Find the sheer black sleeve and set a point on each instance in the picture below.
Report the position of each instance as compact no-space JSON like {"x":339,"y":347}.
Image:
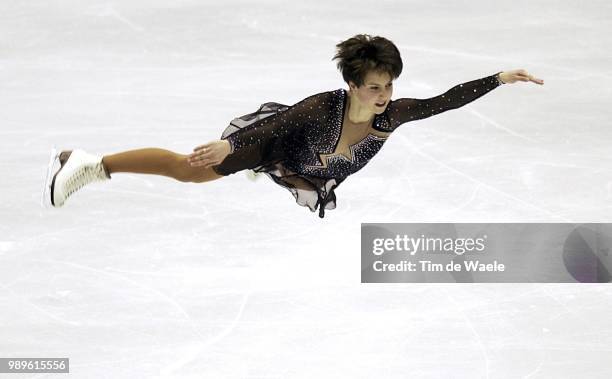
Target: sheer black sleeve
{"x":406,"y":109}
{"x":280,"y":124}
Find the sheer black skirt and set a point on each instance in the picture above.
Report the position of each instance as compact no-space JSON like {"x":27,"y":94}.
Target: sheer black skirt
{"x":269,"y":158}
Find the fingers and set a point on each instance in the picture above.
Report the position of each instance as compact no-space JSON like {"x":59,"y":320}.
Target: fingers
{"x":203,"y":163}
{"x":201,"y":154}
{"x":531,"y":78}
{"x":206,"y":155}
{"x":200,"y":158}
{"x":199,"y":161}
{"x":524,"y":76}
{"x":536,"y":80}
{"x":211,"y":164}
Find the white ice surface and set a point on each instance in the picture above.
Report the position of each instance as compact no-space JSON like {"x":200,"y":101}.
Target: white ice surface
{"x":146,"y":277}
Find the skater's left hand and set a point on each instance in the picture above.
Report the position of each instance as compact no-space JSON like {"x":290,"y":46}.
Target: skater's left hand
{"x":519,"y":75}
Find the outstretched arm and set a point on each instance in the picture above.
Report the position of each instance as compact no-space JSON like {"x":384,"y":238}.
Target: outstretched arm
{"x":407,"y":109}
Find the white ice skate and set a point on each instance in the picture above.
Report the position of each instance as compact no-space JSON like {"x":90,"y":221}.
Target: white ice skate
{"x":77,"y":168}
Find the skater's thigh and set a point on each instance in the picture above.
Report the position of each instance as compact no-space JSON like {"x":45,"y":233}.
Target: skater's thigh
{"x":205,"y":175}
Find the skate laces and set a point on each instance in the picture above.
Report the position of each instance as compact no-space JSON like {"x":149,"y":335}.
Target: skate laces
{"x":84,"y":175}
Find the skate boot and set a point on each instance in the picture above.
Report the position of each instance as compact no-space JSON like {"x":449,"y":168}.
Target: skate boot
{"x":77,"y":168}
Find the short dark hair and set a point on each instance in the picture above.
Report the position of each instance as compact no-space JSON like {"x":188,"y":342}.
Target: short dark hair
{"x":363,"y":53}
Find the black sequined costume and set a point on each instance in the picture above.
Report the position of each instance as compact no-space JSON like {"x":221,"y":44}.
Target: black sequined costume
{"x":295,"y":145}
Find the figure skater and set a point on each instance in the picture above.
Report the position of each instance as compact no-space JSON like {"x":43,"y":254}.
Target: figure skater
{"x":308,"y":148}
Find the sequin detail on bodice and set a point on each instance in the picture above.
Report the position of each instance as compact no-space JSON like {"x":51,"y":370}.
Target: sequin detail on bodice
{"x":317,"y":152}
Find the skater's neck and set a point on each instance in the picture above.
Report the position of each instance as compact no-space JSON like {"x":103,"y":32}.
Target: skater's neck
{"x":356,"y":113}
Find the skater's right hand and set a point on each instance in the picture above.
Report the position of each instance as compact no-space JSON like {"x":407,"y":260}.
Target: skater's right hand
{"x":209,"y":154}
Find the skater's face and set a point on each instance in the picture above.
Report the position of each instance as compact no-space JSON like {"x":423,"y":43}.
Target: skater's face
{"x":376,"y":91}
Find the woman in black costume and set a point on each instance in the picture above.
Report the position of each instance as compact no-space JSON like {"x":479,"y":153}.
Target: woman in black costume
{"x":308,"y":148}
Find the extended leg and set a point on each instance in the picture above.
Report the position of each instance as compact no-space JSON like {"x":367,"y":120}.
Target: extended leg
{"x":158,"y":162}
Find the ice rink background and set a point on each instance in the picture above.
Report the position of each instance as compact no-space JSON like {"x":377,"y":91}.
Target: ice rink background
{"x":143,"y":276}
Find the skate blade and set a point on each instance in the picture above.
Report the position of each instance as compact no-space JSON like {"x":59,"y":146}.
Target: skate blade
{"x":53,"y":166}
